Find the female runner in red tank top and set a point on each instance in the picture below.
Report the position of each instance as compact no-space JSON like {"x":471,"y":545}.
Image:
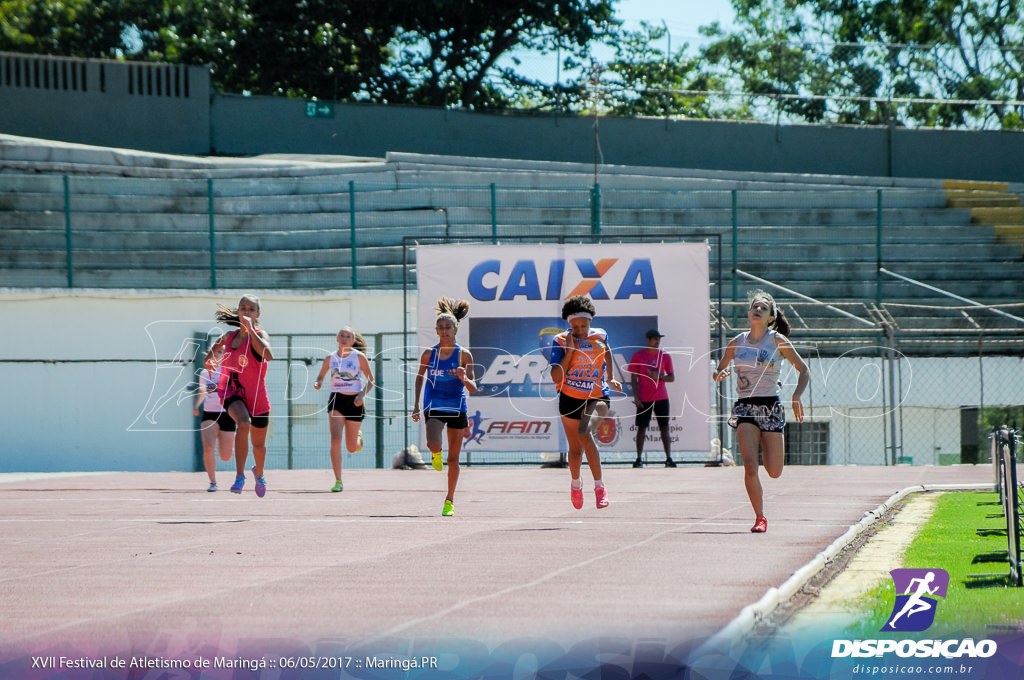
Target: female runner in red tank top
{"x":243,"y":390}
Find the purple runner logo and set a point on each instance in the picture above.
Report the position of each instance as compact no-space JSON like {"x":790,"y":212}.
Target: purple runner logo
{"x":916,"y":590}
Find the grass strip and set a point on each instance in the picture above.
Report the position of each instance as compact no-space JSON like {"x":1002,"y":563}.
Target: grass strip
{"x":980,"y":600}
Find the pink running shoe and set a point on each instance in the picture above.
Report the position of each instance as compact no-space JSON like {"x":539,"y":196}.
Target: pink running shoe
{"x":577,"y":498}
{"x":602,"y":496}
{"x":760,"y":526}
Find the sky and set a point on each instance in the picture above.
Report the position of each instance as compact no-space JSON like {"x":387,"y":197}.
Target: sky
{"x":681,"y":17}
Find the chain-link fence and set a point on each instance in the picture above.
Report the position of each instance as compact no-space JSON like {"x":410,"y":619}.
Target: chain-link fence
{"x":878,"y":401}
{"x":975,"y":85}
{"x":889,"y":387}
{"x":299,"y":436}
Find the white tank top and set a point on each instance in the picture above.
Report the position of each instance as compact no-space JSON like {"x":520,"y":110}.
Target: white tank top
{"x":208,"y":384}
{"x":346,"y":372}
{"x":757,"y":366}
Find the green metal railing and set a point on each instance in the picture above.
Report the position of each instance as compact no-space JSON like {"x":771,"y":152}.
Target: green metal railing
{"x":326,"y":233}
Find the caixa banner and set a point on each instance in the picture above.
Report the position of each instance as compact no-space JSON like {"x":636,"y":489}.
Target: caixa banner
{"x":516,"y":294}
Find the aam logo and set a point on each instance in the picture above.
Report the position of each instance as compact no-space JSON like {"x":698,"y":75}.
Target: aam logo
{"x":916,"y":593}
{"x":486,"y":281}
{"x":502,"y":429}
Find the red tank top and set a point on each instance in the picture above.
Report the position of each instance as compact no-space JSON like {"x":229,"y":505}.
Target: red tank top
{"x":242,"y":374}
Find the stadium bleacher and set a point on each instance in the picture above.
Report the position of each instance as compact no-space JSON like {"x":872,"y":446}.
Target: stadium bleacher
{"x":141,"y":220}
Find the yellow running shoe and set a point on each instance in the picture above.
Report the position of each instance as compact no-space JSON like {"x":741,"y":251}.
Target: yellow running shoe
{"x":436,"y":461}
{"x":359,"y":446}
{"x":449,"y":509}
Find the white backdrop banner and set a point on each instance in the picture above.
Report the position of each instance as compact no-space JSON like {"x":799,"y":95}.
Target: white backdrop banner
{"x":516,"y":295}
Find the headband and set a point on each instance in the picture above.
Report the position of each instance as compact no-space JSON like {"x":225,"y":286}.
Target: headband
{"x":579,"y":315}
{"x":446,"y":315}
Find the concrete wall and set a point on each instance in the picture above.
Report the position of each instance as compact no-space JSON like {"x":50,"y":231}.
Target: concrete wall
{"x":85,"y":374}
{"x":155,"y":107}
{"x":246,"y":125}
{"x":123,"y":105}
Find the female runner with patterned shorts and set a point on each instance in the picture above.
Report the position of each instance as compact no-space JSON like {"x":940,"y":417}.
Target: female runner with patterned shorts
{"x":758,"y":415}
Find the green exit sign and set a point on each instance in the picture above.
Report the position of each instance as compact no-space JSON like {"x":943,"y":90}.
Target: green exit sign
{"x":315,"y":109}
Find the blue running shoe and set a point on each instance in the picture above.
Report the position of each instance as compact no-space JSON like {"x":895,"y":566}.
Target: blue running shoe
{"x":239,"y":483}
{"x":261,"y":483}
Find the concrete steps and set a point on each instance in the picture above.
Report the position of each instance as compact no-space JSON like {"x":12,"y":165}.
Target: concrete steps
{"x":116,"y":241}
{"x":16,"y":244}
{"x":991,"y":203}
{"x":1009,"y":233}
{"x":913,"y":316}
{"x":607,"y":173}
{"x":327,"y":277}
{"x":981,"y":199}
{"x":184,"y":259}
{"x":145,"y":221}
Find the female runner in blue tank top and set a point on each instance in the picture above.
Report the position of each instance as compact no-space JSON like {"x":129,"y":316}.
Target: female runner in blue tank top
{"x":758,"y":415}
{"x":447,"y":370}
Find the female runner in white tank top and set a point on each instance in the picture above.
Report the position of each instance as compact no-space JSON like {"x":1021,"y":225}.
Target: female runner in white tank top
{"x":758,"y":415}
{"x":217,"y":429}
{"x":351,"y":379}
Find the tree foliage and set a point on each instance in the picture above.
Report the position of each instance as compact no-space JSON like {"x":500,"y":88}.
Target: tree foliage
{"x":954,"y":63}
{"x":643,"y":80}
{"x":67,"y":28}
{"x":446,"y":49}
{"x":432,"y":52}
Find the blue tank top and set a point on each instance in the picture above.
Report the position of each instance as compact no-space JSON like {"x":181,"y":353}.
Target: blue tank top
{"x":444,"y":391}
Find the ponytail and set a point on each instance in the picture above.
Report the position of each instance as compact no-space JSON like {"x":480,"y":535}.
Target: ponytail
{"x":456,"y":309}
{"x":358,"y":341}
{"x":781,"y":323}
{"x":227,"y":316}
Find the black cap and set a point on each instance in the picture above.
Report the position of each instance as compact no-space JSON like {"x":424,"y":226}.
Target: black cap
{"x":653,"y":333}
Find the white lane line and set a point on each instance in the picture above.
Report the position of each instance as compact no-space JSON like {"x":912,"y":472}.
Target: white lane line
{"x":505,"y":592}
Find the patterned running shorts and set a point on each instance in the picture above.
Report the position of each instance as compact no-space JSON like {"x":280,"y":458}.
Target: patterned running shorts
{"x":765,"y":412}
